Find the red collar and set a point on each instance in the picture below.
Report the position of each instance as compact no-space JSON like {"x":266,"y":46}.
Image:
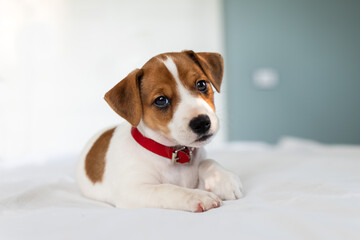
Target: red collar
{"x":177,"y":155}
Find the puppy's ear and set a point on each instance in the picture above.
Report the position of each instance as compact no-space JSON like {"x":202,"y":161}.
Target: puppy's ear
{"x":212,"y":65}
{"x":124,"y":98}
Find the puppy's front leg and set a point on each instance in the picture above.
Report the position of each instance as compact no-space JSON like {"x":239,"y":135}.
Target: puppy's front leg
{"x":216,"y":179}
{"x":171,"y":197}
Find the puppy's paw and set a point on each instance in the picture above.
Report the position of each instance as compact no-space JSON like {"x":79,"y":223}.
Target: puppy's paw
{"x":200,"y":201}
{"x":224,"y":184}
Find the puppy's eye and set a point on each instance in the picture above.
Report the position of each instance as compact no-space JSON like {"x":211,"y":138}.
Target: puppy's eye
{"x":201,"y":86}
{"x":161,"y":102}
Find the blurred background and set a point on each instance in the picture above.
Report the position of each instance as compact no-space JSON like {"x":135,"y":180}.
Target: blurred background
{"x":292,"y":67}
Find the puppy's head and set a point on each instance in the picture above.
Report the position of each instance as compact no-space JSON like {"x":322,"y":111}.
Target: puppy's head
{"x":172,"y":96}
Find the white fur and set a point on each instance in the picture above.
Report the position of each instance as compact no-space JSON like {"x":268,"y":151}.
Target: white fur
{"x":135,"y":177}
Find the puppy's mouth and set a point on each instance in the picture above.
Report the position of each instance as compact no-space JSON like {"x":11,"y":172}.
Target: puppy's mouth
{"x":204,"y":138}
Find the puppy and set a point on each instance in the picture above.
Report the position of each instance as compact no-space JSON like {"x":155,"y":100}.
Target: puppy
{"x":156,"y":159}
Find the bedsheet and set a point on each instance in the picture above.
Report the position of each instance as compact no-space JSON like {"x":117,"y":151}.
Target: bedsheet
{"x":297,"y":189}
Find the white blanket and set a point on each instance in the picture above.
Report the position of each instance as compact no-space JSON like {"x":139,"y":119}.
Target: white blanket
{"x":296,"y":190}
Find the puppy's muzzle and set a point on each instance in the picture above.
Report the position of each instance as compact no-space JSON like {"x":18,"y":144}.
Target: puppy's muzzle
{"x":200,"y":124}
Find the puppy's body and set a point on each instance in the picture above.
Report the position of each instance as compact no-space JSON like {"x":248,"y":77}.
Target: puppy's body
{"x":116,"y":169}
{"x":125,"y":172}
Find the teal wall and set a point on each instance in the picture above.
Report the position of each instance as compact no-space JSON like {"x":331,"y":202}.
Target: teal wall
{"x":315,"y":47}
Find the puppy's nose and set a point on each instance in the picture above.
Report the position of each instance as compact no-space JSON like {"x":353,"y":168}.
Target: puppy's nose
{"x":200,"y":124}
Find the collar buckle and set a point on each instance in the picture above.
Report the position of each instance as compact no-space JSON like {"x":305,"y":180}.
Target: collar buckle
{"x":175,"y":157}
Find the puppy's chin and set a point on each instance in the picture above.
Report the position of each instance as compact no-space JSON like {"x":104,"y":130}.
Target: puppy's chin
{"x":202,"y":141}
{"x":196,"y":140}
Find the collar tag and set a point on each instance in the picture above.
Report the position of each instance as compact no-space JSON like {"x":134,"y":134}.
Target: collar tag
{"x":185,"y":150}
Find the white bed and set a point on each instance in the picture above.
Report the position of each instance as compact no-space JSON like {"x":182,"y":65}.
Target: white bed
{"x":295,"y":190}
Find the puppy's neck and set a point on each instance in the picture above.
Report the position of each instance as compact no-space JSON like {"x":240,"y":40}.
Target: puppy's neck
{"x":155,"y":135}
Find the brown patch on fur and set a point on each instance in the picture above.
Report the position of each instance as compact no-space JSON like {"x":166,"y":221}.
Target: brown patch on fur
{"x":158,"y":81}
{"x":190,"y":73}
{"x":209,"y":100}
{"x":95,"y":158}
{"x":212,"y":64}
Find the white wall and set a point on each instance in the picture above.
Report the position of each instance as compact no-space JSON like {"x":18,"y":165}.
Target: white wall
{"x":59,"y":57}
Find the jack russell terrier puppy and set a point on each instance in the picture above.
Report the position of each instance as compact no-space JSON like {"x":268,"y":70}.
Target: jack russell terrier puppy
{"x":156,"y":159}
